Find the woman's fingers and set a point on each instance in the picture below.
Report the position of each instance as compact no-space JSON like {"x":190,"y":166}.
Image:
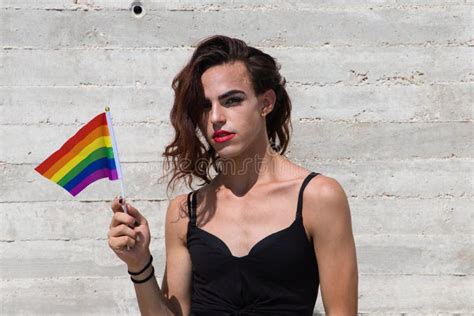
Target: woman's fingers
{"x":122,"y":218}
{"x":119,"y":243}
{"x":122,"y":226}
{"x":116,"y":206}
{"x":122,"y":230}
{"x":136,"y":214}
{"x":122,"y":236}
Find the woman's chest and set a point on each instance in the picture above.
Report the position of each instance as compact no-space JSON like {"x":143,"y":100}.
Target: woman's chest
{"x":241,"y":223}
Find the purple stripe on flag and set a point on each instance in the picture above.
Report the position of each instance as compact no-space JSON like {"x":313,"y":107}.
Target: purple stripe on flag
{"x":96,"y":175}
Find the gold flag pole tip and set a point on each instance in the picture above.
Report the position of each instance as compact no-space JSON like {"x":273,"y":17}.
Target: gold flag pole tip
{"x":107,"y":109}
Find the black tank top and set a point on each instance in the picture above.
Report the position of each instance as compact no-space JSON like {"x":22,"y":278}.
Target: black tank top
{"x":279,"y":276}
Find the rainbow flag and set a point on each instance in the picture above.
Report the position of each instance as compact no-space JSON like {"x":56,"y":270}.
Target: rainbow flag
{"x":86,"y":157}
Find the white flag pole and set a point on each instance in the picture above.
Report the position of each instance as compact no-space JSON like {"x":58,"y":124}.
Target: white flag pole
{"x":116,"y":157}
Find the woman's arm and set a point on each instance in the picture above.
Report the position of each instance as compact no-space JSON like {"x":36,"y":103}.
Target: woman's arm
{"x":174,"y":297}
{"x":151,"y":300}
{"x":331,"y":229}
{"x":176,"y":284}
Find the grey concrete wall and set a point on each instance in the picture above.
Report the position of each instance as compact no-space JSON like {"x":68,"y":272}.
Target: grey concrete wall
{"x":383,"y":89}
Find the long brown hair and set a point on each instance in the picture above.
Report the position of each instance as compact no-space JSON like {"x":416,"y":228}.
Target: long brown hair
{"x":189,"y":153}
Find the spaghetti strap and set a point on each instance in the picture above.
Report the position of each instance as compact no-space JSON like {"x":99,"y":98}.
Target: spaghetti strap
{"x":192,"y":208}
{"x":299,"y":208}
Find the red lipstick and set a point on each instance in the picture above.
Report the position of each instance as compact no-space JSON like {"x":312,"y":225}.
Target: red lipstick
{"x":221,"y":136}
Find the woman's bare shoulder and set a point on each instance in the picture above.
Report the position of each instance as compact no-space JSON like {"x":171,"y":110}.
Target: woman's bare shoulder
{"x":325,"y":188}
{"x":177,"y":216}
{"x":326,"y":203}
{"x":177,"y":213}
{"x":178,"y":204}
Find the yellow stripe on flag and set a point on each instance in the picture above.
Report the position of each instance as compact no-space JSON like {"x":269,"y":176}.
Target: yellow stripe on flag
{"x":99,"y":142}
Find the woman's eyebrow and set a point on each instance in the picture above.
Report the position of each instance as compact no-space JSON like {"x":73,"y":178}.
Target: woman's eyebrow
{"x":228,"y":94}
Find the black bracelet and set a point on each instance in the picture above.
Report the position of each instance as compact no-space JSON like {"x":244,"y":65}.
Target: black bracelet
{"x":146,"y":279}
{"x":141,"y":271}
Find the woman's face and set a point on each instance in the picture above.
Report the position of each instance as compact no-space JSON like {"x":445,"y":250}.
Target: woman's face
{"x":231,"y":105}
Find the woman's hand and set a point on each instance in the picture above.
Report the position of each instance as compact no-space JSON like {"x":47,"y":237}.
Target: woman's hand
{"x":129,"y":229}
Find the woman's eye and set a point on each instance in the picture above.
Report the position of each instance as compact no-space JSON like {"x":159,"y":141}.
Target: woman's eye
{"x":233,"y":100}
{"x":208,"y":105}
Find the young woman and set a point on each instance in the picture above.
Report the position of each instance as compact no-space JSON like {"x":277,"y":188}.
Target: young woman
{"x":248,"y":241}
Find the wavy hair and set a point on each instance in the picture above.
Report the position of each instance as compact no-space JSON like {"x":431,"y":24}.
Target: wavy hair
{"x":189,"y":154}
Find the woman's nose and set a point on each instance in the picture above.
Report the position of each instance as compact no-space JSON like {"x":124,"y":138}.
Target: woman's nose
{"x":217,"y":114}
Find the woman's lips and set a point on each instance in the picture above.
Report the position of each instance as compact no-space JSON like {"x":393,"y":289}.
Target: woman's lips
{"x":223,"y":138}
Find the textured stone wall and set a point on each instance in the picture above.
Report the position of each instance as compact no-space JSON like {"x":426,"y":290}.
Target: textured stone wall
{"x":382,"y":94}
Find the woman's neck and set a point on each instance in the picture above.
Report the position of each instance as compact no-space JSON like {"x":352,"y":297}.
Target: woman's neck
{"x":241,"y":174}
